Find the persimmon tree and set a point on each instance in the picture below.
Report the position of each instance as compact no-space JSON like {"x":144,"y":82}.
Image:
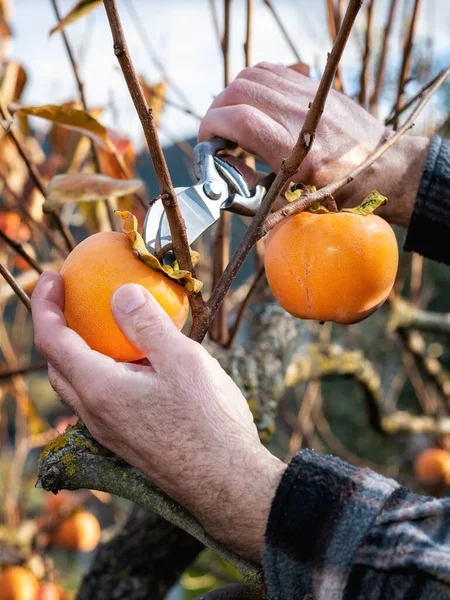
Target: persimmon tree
{"x":97,"y":175}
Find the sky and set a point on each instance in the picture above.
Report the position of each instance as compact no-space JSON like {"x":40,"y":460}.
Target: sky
{"x":183,"y":37}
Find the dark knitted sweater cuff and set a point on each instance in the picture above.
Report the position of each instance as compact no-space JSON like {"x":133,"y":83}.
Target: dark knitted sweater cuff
{"x":429,"y":229}
{"x":321,"y":512}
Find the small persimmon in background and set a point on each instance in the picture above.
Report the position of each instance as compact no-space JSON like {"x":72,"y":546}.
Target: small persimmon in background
{"x":80,"y":531}
{"x":432,"y":466}
{"x":18,"y":583}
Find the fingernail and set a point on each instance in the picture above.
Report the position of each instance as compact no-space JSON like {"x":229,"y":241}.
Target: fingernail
{"x":129,"y":297}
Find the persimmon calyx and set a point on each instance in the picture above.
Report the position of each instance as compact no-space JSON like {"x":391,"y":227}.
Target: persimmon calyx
{"x":295,"y":190}
{"x":130,"y":228}
{"x":369,"y":205}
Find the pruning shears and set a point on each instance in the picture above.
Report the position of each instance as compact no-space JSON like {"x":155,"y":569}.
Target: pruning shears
{"x":220,"y":187}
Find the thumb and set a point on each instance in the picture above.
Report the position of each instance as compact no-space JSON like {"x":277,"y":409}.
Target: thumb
{"x":144,"y":323}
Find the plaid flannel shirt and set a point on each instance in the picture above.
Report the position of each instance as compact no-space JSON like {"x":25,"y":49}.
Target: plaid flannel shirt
{"x":338,"y":532}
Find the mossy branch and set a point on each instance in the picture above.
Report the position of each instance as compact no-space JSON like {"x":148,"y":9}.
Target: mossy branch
{"x":74,"y":460}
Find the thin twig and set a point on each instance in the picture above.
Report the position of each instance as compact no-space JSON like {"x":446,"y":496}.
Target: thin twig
{"x":283,"y":29}
{"x":219,"y":327}
{"x":17,"y":247}
{"x":363,"y":80}
{"x":243,"y":307}
{"x":80,"y":84}
{"x":21,"y":293}
{"x":288,"y":169}
{"x":248,"y":36}
{"x":406,"y":60}
{"x":147,"y":43}
{"x":35,"y":175}
{"x":8,"y":374}
{"x":393,"y":116}
{"x":308,"y":199}
{"x":374,"y":100}
{"x":333,"y":27}
{"x":174,"y":216}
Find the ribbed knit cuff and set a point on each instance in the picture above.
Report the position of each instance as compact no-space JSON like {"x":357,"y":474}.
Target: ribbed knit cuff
{"x":429,"y":230}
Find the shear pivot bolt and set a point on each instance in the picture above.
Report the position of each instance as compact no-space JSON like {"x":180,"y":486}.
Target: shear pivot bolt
{"x":212,"y":189}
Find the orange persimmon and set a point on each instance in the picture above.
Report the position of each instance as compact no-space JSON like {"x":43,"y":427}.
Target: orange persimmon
{"x":92,"y":272}
{"x":332,"y":266}
{"x":433,"y":466}
{"x":18,"y":583}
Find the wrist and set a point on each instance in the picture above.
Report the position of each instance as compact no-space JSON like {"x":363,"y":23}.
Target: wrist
{"x":397,"y":175}
{"x":240,"y":501}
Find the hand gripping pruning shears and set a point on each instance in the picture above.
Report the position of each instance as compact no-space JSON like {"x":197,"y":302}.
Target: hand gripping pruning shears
{"x":220,"y":187}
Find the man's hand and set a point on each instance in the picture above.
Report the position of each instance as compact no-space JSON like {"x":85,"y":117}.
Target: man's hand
{"x":263,"y":110}
{"x":177,"y":417}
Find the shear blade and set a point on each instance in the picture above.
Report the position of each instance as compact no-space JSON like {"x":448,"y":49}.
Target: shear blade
{"x":199,"y":214}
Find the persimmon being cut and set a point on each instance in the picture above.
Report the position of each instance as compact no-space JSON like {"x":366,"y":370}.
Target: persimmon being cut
{"x":92,"y":272}
{"x":331,"y":266}
{"x":17,"y":583}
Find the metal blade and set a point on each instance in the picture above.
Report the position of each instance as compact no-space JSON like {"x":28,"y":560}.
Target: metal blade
{"x":199,"y":213}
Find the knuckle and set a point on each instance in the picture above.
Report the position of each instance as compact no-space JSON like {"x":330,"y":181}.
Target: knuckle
{"x":264,"y":64}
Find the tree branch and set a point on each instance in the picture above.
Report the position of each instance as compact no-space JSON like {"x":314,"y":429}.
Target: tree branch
{"x":174,"y":216}
{"x":406,"y":316}
{"x":306,"y":200}
{"x":248,"y":35}
{"x":288,"y":169}
{"x":406,"y":60}
{"x":74,"y":460}
{"x":34,"y":173}
{"x":21,"y":293}
{"x":363,"y":80}
{"x":283,"y":29}
{"x":382,"y":60}
{"x":17,"y":247}
{"x":95,"y":155}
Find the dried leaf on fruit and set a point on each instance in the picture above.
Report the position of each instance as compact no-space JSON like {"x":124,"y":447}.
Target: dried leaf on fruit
{"x":130,"y":228}
{"x":370,"y":204}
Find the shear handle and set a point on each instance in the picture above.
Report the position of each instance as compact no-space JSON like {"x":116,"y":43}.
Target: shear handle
{"x":204,"y":153}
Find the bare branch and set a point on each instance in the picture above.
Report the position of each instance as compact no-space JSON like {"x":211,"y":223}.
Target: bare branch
{"x":21,"y":293}
{"x":288,"y":169}
{"x":248,"y":37}
{"x":174,"y":216}
{"x":283,"y":29}
{"x":17,"y":247}
{"x":333,"y":27}
{"x":244,"y":306}
{"x":406,"y":60}
{"x":406,"y":316}
{"x":382,"y":60}
{"x":35,"y":175}
{"x":31,"y":368}
{"x":364,"y":77}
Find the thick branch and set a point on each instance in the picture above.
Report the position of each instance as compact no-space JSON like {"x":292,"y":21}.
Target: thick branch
{"x":288,"y":168}
{"x":74,"y":460}
{"x":306,"y":200}
{"x":144,"y":560}
{"x":406,"y":316}
{"x":248,"y":35}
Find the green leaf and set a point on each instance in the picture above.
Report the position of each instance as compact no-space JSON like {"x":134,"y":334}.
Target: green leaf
{"x":130,"y":228}
{"x":83,"y":7}
{"x":370,"y":204}
{"x":86,"y":187}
